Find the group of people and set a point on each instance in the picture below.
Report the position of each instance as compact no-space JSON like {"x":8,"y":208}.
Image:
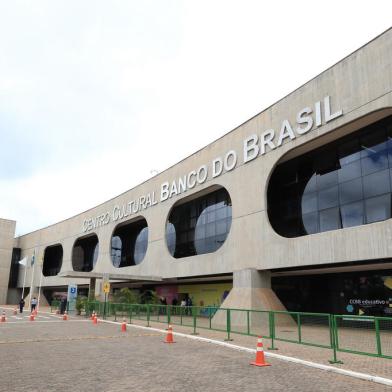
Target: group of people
{"x":34,"y":303}
{"x":184,"y":302}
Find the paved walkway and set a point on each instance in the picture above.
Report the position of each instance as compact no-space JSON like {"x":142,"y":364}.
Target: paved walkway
{"x":360,"y":363}
{"x":56,"y":355}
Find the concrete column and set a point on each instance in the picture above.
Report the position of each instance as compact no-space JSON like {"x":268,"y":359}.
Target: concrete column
{"x":252,"y":290}
{"x":91,"y":289}
{"x":7,"y":231}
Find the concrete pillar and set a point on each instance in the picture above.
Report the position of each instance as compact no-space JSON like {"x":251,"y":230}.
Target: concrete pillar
{"x":251,"y":291}
{"x":91,"y":289}
{"x":7,"y":231}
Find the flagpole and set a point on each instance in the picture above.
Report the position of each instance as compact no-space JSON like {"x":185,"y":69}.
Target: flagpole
{"x":24,"y":280}
{"x":40,"y":283}
{"x":32,"y":278}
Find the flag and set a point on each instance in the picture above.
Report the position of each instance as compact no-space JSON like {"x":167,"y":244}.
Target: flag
{"x":32,"y":260}
{"x":23,"y":261}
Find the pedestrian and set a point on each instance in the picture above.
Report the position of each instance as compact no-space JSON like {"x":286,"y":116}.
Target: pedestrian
{"x":174,"y":305}
{"x":188,"y":306}
{"x":21,"y":305}
{"x":34,"y":302}
{"x":63,"y":305}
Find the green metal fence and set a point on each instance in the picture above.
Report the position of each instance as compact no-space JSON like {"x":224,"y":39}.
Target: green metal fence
{"x":363,"y":335}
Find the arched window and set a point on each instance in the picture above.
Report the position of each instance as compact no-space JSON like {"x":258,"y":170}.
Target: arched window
{"x":129,"y":243}
{"x":85,"y":253}
{"x":200,"y":225}
{"x":342,"y":184}
{"x":53,"y":259}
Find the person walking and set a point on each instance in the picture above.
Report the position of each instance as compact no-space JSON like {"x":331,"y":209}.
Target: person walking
{"x":63,"y":305}
{"x":34,"y":302}
{"x":21,"y":305}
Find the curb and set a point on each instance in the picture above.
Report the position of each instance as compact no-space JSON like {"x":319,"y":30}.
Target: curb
{"x":332,"y":369}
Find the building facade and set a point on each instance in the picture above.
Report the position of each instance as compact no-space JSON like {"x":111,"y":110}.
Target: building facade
{"x":290,"y":210}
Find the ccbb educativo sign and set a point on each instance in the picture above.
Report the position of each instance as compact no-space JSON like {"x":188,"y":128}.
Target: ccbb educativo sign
{"x":254,"y":146}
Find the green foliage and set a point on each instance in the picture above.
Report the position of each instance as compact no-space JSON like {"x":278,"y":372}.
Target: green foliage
{"x":149,"y":297}
{"x":80,"y":303}
{"x":126,"y":296}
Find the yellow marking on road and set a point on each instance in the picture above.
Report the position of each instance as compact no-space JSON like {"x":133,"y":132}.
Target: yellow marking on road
{"x":68,"y":339}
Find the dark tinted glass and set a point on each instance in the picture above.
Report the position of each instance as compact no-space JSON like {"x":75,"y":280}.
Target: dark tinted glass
{"x":352,"y":214}
{"x":378,"y":208}
{"x":129,"y":243}
{"x":53,"y":259}
{"x":376,"y":184}
{"x":202,"y":225}
{"x":351,"y":191}
{"x":85,"y":253}
{"x":343,"y":184}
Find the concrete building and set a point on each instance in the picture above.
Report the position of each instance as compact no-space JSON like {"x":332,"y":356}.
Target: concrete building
{"x":292,"y":209}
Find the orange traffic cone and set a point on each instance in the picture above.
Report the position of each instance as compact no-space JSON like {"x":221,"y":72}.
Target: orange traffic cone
{"x":15,"y":311}
{"x":260,"y":361}
{"x":93,"y":315}
{"x":35,"y":312}
{"x":31,"y":317}
{"x":169,"y":336}
{"x":65,"y":316}
{"x":95,"y":320}
{"x":123,"y":326}
{"x":3,"y":317}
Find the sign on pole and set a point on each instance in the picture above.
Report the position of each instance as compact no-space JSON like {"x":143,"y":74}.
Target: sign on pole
{"x":106,"y":287}
{"x":71,"y":296}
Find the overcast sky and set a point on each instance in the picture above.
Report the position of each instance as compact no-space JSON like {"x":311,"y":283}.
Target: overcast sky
{"x":94,"y":95}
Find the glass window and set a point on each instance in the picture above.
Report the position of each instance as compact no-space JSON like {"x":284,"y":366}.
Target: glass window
{"x":328,"y":197}
{"x":378,"y":208}
{"x":352,"y":214}
{"x":206,"y":232}
{"x":129,"y":243}
{"x":375,"y":162}
{"x":350,"y":171}
{"x":311,"y":185}
{"x":53,"y":259}
{"x":85,"y":253}
{"x":352,"y":178}
{"x":116,"y":251}
{"x":349,"y":152}
{"x":376,"y":184}
{"x":373,"y":141}
{"x":327,"y":180}
{"x":311,"y":223}
{"x":141,"y":243}
{"x":351,"y":191}
{"x":309,"y":202}
{"x":330,"y":219}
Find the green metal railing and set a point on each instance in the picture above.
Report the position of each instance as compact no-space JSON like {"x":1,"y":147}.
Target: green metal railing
{"x":362,"y":335}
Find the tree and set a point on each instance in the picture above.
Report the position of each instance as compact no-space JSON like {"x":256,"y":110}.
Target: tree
{"x":126,"y":295}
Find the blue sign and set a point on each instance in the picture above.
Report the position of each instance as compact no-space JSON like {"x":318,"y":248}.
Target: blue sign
{"x":72,"y":295}
{"x":350,"y":308}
